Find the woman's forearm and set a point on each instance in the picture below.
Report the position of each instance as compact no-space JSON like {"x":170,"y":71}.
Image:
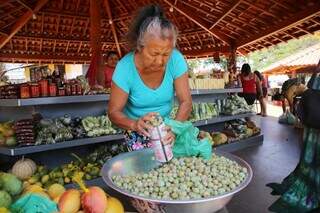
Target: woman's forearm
{"x":122,"y":121}
{"x":184,"y":111}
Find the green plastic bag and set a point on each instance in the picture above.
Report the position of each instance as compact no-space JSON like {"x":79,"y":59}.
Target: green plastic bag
{"x":32,"y":203}
{"x":187,"y":143}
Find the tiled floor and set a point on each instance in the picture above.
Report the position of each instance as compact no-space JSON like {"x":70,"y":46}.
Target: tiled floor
{"x":271,"y":162}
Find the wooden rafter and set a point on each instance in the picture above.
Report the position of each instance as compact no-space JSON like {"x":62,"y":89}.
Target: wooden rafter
{"x":24,"y":4}
{"x":226,"y":13}
{"x":42,"y":57}
{"x":225,"y":50}
{"x":77,"y":5}
{"x":21,"y":22}
{"x":79,"y":48}
{"x":187,"y":13}
{"x":71,"y":28}
{"x":58,"y":24}
{"x":113,"y":27}
{"x":42,"y":23}
{"x":301,"y":29}
{"x":298,"y":18}
{"x":41,"y":43}
{"x":262,"y":10}
{"x":67,"y":48}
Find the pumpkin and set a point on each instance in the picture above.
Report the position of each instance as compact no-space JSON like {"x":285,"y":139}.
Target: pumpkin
{"x":24,"y":168}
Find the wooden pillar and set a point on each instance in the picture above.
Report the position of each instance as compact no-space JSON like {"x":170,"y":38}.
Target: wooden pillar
{"x":232,"y":61}
{"x":95,"y":41}
{"x":232,"y":66}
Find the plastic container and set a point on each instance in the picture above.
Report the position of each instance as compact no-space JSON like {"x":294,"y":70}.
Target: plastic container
{"x":163,"y":153}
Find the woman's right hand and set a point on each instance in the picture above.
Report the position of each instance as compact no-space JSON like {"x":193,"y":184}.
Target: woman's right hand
{"x":141,"y":126}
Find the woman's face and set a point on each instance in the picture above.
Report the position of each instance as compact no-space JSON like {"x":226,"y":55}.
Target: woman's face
{"x":155,"y":54}
{"x":112,"y":60}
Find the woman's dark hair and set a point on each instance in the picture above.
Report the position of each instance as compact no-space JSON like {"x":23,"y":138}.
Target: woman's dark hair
{"x":245,"y":69}
{"x":258,"y":74}
{"x":111,"y":53}
{"x":150,"y":20}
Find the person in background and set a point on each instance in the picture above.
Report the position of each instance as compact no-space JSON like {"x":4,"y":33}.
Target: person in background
{"x":111,"y":62}
{"x":250,"y":83}
{"x":289,"y":90}
{"x":263,"y":97}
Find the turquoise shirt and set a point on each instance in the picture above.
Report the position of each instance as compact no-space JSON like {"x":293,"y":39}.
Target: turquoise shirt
{"x":143,"y":99}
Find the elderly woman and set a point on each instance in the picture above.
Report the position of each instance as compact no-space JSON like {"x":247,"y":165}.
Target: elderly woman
{"x":146,"y":79}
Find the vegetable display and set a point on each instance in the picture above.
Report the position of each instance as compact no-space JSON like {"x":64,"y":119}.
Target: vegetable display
{"x":235,"y":105}
{"x":200,"y":111}
{"x":185,"y":179}
{"x":97,"y":126}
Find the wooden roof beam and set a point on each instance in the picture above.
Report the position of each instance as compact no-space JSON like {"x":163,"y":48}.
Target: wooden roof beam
{"x":260,"y":8}
{"x":21,"y":22}
{"x":113,"y":27}
{"x":59,"y":39}
{"x":299,"y":17}
{"x":24,"y":4}
{"x":40,"y":57}
{"x":189,"y":14}
{"x":225,"y":50}
{"x":226,"y":13}
{"x":303,"y":30}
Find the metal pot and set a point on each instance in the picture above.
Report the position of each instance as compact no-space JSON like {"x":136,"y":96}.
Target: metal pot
{"x":144,"y":161}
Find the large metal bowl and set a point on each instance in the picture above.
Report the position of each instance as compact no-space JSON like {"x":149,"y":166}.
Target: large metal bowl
{"x":144,"y":161}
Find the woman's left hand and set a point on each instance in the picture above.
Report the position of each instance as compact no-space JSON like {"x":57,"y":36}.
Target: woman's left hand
{"x":170,"y":136}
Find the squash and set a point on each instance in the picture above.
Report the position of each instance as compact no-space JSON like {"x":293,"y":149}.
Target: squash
{"x":24,"y":168}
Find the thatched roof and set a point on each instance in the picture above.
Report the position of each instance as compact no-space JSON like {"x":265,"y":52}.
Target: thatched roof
{"x":59,"y":30}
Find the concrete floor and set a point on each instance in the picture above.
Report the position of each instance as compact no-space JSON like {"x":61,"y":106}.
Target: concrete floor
{"x":271,"y":162}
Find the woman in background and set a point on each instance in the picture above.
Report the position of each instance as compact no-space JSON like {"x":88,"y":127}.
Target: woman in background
{"x":264,"y":94}
{"x":111,"y":62}
{"x":250,"y":84}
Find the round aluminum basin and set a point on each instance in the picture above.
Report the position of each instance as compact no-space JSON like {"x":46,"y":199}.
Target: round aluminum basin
{"x":144,"y":161}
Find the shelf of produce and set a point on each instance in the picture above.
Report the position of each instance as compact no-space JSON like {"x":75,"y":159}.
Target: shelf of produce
{"x":241,"y":144}
{"x":53,"y":100}
{"x":215,"y":91}
{"x":222,"y":118}
{"x":92,"y":98}
{"x":62,"y":145}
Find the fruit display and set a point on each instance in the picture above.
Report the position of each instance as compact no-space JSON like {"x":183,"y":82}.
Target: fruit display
{"x":234,"y":105}
{"x":10,"y":187}
{"x":240,"y":129}
{"x":88,"y":199}
{"x":97,"y":126}
{"x":25,"y":132}
{"x":200,"y":111}
{"x":185,"y":178}
{"x":24,"y":168}
{"x":7,"y":134}
{"x":64,"y":173}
